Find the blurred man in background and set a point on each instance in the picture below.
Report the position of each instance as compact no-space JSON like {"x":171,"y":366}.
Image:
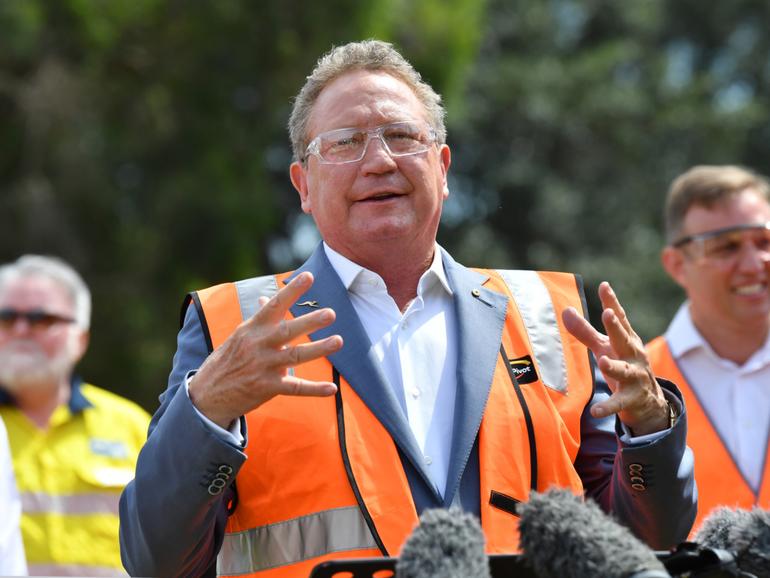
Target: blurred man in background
{"x":717,"y":347}
{"x":73,"y":445}
{"x":12,"y":561}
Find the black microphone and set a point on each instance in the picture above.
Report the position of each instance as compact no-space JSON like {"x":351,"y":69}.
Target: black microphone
{"x":446,"y":544}
{"x":744,"y":533}
{"x":564,"y":537}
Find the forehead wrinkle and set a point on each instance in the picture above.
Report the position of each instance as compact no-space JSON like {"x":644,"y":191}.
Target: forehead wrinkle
{"x":364,"y":99}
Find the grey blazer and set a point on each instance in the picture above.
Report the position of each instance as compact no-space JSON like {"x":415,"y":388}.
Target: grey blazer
{"x":170,"y":525}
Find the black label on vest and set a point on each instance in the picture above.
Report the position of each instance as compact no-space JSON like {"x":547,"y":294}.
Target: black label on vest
{"x":524,"y":369}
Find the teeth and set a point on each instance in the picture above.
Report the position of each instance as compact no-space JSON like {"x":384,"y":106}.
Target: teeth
{"x":750,"y":289}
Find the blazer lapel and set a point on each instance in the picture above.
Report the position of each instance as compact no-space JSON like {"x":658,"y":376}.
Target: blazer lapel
{"x":355,"y":361}
{"x":480,"y":320}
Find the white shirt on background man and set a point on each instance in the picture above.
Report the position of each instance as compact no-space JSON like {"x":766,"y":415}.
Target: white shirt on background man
{"x":735,"y":397}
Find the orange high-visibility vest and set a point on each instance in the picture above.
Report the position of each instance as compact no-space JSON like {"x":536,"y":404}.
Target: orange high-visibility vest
{"x":719,"y":480}
{"x":324,"y":479}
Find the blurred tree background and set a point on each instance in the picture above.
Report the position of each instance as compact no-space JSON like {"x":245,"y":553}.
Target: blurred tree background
{"x":144,"y":141}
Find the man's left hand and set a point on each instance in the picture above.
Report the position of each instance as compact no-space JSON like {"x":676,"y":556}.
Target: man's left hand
{"x":636,"y":397}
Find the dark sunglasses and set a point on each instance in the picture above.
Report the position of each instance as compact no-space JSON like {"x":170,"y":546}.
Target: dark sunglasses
{"x":36,"y":318}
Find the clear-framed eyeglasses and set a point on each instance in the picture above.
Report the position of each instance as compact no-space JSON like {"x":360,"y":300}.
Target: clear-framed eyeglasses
{"x":349,"y":145}
{"x":724,"y":246}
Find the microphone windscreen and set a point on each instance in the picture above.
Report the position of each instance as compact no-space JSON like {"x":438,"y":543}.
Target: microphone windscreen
{"x":446,"y":544}
{"x":751,"y":543}
{"x":714,"y":531}
{"x":564,"y":537}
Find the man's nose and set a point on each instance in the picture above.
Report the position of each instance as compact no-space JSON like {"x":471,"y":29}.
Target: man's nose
{"x":377,"y":157}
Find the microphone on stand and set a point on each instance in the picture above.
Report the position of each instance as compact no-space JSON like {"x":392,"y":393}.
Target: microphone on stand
{"x":564,"y":537}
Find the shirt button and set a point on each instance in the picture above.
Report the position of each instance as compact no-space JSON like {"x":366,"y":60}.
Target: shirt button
{"x":404,"y":325}
{"x":415,"y":393}
{"x":428,"y":460}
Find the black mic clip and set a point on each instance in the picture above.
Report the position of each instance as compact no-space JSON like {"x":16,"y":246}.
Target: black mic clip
{"x":691,"y":560}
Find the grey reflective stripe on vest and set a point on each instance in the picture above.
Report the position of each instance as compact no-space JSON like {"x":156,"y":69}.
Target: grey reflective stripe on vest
{"x":73,"y":570}
{"x":539,"y":317}
{"x":81,"y":504}
{"x":292,"y":541}
{"x":250,"y":290}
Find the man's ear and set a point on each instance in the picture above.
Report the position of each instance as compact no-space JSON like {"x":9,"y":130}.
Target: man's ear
{"x":298,"y":175}
{"x":445,"y":158}
{"x":83,"y":339}
{"x":673,"y":262}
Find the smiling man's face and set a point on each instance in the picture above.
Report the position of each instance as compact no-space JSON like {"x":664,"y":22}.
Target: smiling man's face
{"x":732,"y":291}
{"x":379,"y":200}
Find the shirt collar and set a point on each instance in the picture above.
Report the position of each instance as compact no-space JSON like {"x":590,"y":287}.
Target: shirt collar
{"x":683,"y":337}
{"x":77,"y":402}
{"x":348,"y":271}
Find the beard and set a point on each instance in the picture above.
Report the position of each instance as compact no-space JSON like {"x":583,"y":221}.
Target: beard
{"x":24,"y":366}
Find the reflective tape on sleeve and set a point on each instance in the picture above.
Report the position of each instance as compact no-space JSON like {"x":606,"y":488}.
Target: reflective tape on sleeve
{"x":82,"y":504}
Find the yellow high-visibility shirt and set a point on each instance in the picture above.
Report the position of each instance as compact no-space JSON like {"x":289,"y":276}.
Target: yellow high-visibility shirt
{"x":70,"y":477}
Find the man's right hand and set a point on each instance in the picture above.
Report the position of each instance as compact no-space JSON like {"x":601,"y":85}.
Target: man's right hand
{"x":252,"y":365}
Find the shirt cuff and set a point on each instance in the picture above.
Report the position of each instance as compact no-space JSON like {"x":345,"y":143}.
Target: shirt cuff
{"x":233,"y":435}
{"x":629,"y":439}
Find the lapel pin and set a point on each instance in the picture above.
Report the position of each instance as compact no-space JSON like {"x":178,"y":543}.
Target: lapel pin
{"x":308,"y":304}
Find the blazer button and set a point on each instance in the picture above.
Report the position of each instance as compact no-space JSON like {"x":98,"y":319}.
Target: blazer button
{"x":216,"y":486}
{"x":225,"y":469}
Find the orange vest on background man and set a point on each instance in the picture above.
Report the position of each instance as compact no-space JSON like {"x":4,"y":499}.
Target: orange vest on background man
{"x":324,"y":479}
{"x":719,"y":480}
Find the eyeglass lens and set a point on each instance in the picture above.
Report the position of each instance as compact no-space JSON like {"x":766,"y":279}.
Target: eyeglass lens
{"x":36,"y":318}
{"x":349,"y":145}
{"x":729,"y":245}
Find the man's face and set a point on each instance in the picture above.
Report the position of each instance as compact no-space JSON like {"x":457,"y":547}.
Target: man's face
{"x":725,"y":279}
{"x":38,"y":355}
{"x":361,"y":205}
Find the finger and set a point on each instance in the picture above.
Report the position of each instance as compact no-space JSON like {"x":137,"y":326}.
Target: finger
{"x":612,"y":406}
{"x":621,"y":341}
{"x":276,"y":307}
{"x":288,"y":329}
{"x":610,"y":300}
{"x":619,"y":371}
{"x":304,"y":352}
{"x":297,"y":386}
{"x":577,"y":325}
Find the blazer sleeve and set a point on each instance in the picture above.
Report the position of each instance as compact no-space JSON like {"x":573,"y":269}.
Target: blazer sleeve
{"x":649,"y":487}
{"x":171,"y":524}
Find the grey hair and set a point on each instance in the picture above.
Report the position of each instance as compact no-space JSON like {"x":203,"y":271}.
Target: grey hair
{"x":705,"y":186}
{"x":57,"y":271}
{"x":372,"y":55}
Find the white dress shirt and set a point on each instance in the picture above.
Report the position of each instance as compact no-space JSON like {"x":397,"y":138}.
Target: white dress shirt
{"x":12,"y":560}
{"x":735,"y":397}
{"x":417,"y":350}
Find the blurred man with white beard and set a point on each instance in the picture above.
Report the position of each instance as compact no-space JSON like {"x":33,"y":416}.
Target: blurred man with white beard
{"x":73,"y":445}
